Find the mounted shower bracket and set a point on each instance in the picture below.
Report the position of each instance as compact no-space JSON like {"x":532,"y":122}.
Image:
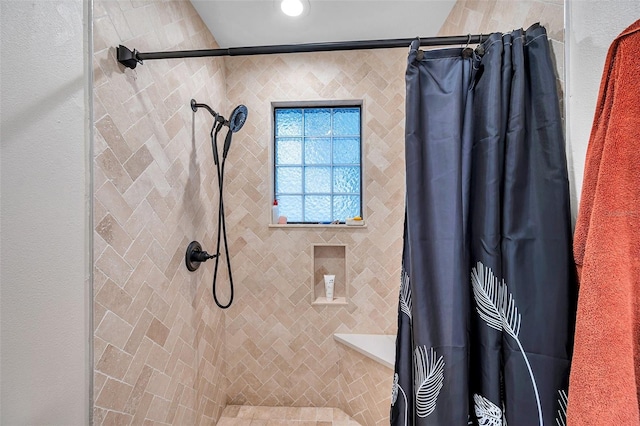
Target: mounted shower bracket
{"x":128,"y":58}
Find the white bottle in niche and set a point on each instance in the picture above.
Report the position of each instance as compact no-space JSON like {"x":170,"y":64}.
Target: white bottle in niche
{"x":328,"y":286}
{"x":274,"y":212}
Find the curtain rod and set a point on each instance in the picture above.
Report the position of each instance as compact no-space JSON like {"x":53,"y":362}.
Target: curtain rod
{"x":130,"y":58}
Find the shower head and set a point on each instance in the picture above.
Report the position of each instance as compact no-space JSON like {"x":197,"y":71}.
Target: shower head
{"x":238,"y":117}
{"x":235,"y":123}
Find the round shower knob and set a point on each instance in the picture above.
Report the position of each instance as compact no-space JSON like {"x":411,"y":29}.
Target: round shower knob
{"x":195,"y":256}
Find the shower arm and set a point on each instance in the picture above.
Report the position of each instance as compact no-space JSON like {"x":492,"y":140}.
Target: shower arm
{"x":131,"y":58}
{"x":195,"y":106}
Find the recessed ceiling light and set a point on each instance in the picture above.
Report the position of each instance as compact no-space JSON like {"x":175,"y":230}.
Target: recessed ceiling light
{"x":291,"y":7}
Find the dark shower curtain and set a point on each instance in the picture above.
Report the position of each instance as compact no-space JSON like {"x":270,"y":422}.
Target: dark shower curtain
{"x":487,"y":294}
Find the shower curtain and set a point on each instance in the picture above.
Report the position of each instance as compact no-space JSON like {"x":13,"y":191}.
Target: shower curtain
{"x":487,"y":293}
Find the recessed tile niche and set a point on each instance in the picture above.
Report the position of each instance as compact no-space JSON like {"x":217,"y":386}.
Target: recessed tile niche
{"x":330,"y":259}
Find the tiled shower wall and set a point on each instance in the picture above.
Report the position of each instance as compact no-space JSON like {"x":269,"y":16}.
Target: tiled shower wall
{"x":280,"y":348}
{"x":158,"y":343}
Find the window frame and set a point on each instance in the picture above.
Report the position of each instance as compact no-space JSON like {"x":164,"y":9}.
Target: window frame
{"x":327,"y":104}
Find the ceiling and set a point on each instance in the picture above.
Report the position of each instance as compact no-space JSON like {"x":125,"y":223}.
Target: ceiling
{"x":241,"y":23}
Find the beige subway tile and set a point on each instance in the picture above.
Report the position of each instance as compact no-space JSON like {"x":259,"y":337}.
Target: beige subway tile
{"x":119,"y":419}
{"x":112,"y":200}
{"x":138,"y":162}
{"x":158,"y":383}
{"x":139,"y":133}
{"x":157,"y":306}
{"x":114,"y":362}
{"x":114,"y":266}
{"x":112,"y":168}
{"x":157,"y":357}
{"x":111,"y":231}
{"x":114,"y":330}
{"x":142,"y":408}
{"x":158,"y":409}
{"x":173,"y":408}
{"x":137,"y":249}
{"x":112,"y":134}
{"x":157,"y":332}
{"x":139,"y":331}
{"x":114,"y":298}
{"x":114,"y":395}
{"x":138,"y":392}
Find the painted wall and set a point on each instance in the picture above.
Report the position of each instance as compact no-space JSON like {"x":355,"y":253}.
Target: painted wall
{"x":44,"y":213}
{"x":158,"y":342}
{"x":593,"y":25}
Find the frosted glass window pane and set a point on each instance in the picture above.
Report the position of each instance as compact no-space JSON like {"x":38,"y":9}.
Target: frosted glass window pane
{"x":317,"y":208}
{"x":288,"y":180}
{"x":346,"y":179}
{"x":290,"y":206}
{"x":317,"y":151}
{"x":346,"y":122}
{"x":346,"y":150}
{"x":317,"y":157}
{"x":317,"y":122}
{"x":288,"y":122}
{"x":345,"y":206}
{"x":288,"y":151}
{"x":317,"y":179}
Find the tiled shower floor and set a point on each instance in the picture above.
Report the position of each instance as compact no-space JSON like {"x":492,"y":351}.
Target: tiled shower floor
{"x":244,"y":415}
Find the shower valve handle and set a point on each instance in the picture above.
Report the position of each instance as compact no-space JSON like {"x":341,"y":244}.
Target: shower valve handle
{"x":201,"y":256}
{"x":195,"y":256}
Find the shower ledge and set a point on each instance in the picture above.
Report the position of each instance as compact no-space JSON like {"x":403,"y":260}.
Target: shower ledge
{"x":379,"y":347}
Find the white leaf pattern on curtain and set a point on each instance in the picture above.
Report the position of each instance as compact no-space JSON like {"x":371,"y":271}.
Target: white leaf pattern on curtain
{"x":561,"y":419}
{"x":487,"y":413}
{"x":394,"y":395}
{"x":394,"y":389}
{"x":429,"y":378}
{"x":405,"y":294}
{"x":496,"y":307}
{"x":504,"y":415}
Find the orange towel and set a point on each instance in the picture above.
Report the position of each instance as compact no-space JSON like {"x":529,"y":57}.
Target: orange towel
{"x":604,"y":384}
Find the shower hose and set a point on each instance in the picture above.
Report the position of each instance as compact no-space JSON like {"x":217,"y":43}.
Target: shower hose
{"x":222,"y":228}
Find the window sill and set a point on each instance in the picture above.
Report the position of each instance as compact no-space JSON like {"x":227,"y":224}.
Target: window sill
{"x":316,"y":225}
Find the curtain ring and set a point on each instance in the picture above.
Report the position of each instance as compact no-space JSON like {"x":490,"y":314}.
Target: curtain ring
{"x":480,"y":48}
{"x":419,"y":53}
{"x":467,"y":52}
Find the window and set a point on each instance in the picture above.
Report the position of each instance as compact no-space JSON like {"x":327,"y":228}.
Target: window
{"x":318,"y":173}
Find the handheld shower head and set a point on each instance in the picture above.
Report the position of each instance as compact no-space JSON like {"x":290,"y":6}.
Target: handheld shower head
{"x":238,"y":117}
{"x":235,"y":123}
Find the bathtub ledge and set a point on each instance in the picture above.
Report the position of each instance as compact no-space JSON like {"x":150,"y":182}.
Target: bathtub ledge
{"x":379,"y":347}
